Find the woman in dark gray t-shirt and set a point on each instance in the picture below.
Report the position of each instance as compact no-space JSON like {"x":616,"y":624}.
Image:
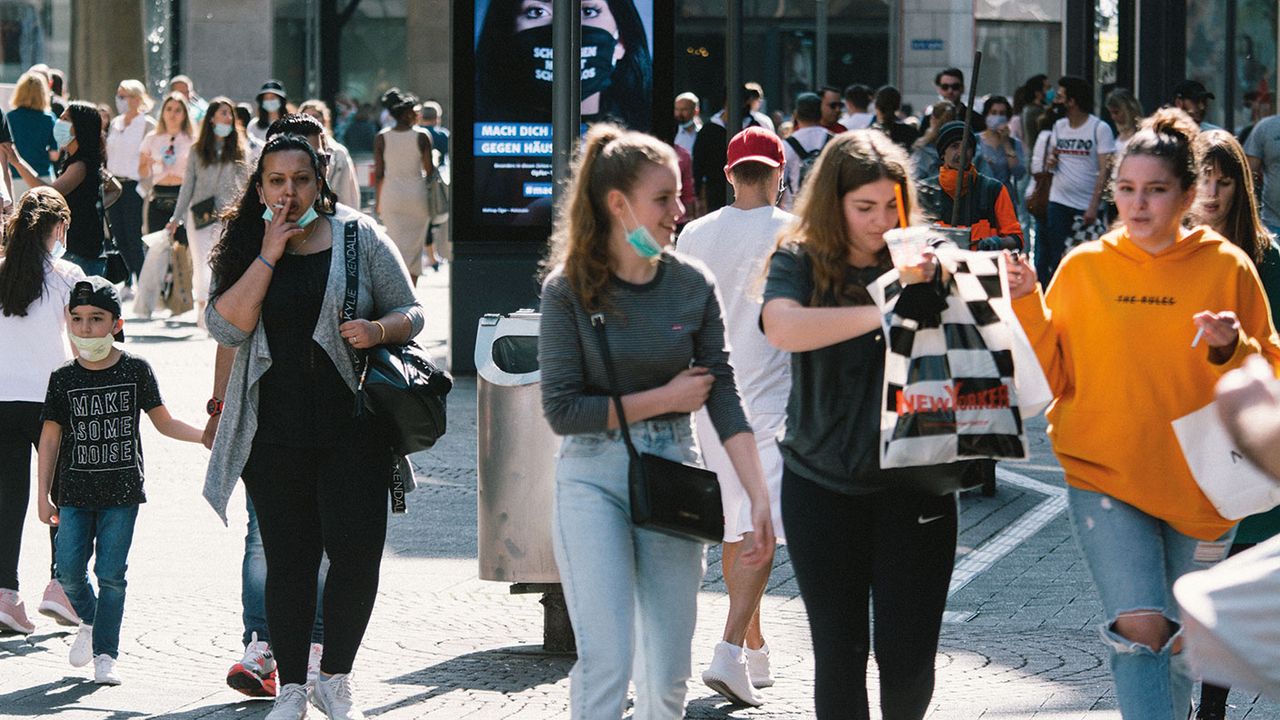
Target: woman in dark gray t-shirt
{"x":666,"y":338}
{"x":855,"y":531}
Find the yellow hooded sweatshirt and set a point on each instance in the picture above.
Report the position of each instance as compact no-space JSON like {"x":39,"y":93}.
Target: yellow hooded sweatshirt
{"x":1114,"y":338}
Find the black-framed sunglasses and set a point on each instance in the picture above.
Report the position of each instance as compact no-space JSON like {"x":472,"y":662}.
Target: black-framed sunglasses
{"x":951,"y":86}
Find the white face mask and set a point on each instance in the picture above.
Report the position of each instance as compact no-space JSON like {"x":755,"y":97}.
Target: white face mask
{"x":93,"y":349}
{"x":122,"y":105}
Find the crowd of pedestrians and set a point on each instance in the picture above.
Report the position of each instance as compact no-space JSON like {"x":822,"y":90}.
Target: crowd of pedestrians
{"x":261,"y":199}
{"x":707,"y":299}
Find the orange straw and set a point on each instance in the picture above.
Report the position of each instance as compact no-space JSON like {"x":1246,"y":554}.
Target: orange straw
{"x":902,"y":207}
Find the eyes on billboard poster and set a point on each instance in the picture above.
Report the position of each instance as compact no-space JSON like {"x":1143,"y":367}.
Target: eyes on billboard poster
{"x":513,"y":61}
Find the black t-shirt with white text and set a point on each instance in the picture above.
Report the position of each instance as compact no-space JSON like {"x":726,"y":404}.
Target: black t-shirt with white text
{"x":100,"y":460}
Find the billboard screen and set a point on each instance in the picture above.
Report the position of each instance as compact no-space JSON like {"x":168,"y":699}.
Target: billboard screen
{"x":511,"y":96}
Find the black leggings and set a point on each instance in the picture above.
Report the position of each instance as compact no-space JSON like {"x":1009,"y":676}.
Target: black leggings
{"x":895,"y":547}
{"x":19,"y":433}
{"x":311,"y":500}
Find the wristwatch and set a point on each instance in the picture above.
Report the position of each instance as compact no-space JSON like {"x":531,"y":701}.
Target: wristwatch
{"x":213,"y":407}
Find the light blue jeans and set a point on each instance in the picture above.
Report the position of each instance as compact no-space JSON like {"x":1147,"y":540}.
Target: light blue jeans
{"x":632,"y":593}
{"x":106,"y":533}
{"x":1134,"y":559}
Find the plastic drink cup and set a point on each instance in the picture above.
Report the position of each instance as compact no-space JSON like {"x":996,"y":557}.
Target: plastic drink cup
{"x":907,"y":247}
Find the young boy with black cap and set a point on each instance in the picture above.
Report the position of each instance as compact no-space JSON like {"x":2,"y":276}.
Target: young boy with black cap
{"x":91,"y":445}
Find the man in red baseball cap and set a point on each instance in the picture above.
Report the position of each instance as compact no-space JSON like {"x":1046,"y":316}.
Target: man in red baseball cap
{"x":735,"y":242}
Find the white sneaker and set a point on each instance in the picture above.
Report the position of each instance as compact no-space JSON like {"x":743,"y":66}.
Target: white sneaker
{"x":758,"y":667}
{"x":332,"y":696}
{"x":291,"y":703}
{"x":728,"y":676}
{"x":104,"y":670}
{"x":82,"y":649}
{"x":313,"y":662}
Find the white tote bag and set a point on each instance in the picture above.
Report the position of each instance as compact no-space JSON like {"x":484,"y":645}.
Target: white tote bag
{"x":1231,"y":620}
{"x":1236,"y":487}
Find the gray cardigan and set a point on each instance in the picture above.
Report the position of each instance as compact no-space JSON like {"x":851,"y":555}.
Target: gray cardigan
{"x":384,"y":287}
{"x":221,"y":180}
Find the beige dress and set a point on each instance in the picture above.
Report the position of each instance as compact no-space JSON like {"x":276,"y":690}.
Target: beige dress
{"x":403,"y":201}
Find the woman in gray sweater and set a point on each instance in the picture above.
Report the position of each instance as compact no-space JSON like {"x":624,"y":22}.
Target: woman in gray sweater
{"x":215,"y":174}
{"x":666,"y":337}
{"x":318,"y":475}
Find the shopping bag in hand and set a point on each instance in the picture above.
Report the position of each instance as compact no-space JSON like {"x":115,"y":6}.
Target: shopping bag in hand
{"x":961,"y":390}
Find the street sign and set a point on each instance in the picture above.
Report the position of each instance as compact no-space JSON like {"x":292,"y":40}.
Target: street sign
{"x":927,"y":43}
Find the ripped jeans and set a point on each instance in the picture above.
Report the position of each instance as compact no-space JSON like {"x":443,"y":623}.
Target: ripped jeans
{"x":1134,"y":559}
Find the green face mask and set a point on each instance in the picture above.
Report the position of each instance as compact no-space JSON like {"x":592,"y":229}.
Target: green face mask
{"x":640,"y":239}
{"x":92,"y":349}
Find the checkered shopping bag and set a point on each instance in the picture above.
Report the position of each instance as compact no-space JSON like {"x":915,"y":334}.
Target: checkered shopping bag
{"x":961,"y":390}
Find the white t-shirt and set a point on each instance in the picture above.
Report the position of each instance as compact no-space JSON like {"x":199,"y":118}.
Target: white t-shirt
{"x":857,"y":121}
{"x":124,"y":143}
{"x":810,"y":138}
{"x":735,"y":244}
{"x":34,"y":345}
{"x":1078,"y":150}
{"x":1264,"y":143}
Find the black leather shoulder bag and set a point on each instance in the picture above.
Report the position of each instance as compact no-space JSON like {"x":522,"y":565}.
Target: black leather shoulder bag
{"x":666,"y":496}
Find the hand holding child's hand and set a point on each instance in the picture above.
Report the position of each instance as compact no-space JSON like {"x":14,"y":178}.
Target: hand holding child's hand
{"x":48,"y":512}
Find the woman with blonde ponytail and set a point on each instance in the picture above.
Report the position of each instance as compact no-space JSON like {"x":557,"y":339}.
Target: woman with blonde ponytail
{"x":632,"y":592}
{"x":1133,"y":333}
{"x":34,"y":286}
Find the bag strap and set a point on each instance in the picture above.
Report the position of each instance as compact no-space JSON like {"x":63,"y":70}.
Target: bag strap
{"x":597,"y":321}
{"x":351,"y":262}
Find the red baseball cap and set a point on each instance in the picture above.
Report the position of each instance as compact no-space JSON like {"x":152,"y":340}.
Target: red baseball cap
{"x":755,"y":144}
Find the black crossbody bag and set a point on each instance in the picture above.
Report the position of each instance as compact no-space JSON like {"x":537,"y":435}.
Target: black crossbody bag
{"x":669,"y":497}
{"x":398,"y":383}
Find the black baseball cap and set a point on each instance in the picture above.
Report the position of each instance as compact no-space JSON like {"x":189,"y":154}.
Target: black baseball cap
{"x":97,"y":292}
{"x":1192,"y":90}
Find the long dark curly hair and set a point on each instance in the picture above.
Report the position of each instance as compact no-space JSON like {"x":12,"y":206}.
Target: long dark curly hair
{"x":242,"y":240}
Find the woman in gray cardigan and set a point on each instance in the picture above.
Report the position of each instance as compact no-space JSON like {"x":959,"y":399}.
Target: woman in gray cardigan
{"x":215,"y":175}
{"x":318,"y":475}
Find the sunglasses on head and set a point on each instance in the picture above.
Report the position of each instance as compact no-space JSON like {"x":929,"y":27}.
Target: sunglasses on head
{"x":951,"y":86}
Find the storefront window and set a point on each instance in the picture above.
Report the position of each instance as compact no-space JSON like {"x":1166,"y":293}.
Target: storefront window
{"x":1014,"y":51}
{"x":780,"y":47}
{"x":374,"y":47}
{"x":1256,"y":66}
{"x":33,"y":31}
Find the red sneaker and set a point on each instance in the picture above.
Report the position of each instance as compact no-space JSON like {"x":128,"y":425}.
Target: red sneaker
{"x":255,"y":674}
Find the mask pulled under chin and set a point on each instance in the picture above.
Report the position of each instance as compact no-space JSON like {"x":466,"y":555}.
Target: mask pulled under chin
{"x":307,"y":218}
{"x":640,"y":239}
{"x":598,"y":47}
{"x":92,"y":349}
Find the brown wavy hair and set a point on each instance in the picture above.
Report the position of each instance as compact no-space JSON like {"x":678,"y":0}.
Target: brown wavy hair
{"x":609,"y":158}
{"x":1218,"y":149}
{"x":849,"y":161}
{"x":212,"y":149}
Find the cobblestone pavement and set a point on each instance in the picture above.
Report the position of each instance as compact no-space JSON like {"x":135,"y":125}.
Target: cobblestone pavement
{"x":1020,"y":639}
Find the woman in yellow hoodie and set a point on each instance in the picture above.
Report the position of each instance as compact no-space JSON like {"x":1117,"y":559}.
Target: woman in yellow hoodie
{"x":1117,"y":335}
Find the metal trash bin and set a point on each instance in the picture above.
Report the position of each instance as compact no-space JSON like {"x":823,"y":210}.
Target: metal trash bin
{"x":516,"y":469}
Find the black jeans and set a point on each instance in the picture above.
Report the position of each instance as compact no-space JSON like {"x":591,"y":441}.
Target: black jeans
{"x":892,"y":547}
{"x":19,"y":433}
{"x":311,"y":500}
{"x":126,"y":225}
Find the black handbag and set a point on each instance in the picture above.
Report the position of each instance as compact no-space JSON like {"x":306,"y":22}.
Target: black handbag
{"x":204,"y":213}
{"x":116,"y":269}
{"x":397,"y":383}
{"x":669,"y":497}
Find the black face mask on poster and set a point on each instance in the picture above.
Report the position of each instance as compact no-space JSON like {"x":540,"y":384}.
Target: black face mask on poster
{"x":534,"y":46}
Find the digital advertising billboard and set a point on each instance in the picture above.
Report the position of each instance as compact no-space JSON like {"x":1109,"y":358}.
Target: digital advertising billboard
{"x":510,"y":98}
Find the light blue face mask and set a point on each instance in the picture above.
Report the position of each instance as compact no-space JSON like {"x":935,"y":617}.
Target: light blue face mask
{"x":271,"y":105}
{"x":307,"y":218}
{"x":1050,"y":95}
{"x":222,"y":129}
{"x":640,"y":239}
{"x":58,"y":250}
{"x":62,"y":133}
